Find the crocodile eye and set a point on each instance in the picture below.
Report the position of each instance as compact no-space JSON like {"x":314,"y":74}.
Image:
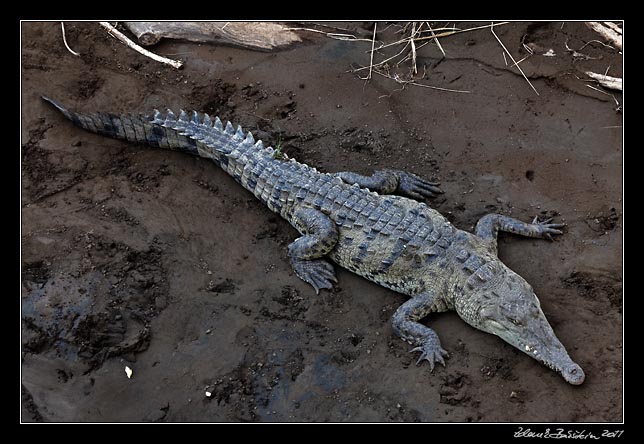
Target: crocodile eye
{"x":515,"y":322}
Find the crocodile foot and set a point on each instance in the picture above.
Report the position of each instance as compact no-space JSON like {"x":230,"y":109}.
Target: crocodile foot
{"x":317,"y":272}
{"x":546,"y":229}
{"x":416,"y":187}
{"x":431,"y":351}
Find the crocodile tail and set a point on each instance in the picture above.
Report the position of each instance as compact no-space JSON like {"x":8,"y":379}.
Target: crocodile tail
{"x":133,"y":128}
{"x":211,"y":137}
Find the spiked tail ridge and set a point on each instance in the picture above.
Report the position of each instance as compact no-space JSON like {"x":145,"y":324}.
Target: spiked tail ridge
{"x":208,"y":134}
{"x":194,"y":133}
{"x":248,"y":161}
{"x":136,"y":129}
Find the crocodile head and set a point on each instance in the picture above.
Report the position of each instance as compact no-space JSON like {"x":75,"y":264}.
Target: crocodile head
{"x":511,"y":310}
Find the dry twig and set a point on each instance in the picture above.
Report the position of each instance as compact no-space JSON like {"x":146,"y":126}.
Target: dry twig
{"x":449,"y":31}
{"x":578,"y":55}
{"x":512,"y":58}
{"x":619,"y":107}
{"x":413,"y":47}
{"x":404,"y":83}
{"x":416,"y":31}
{"x":436,"y":40}
{"x":120,"y":36}
{"x":373,"y":43}
{"x":333,"y":35}
{"x":458,"y":31}
{"x":62,"y":26}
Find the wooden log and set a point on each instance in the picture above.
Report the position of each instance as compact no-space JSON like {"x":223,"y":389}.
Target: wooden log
{"x":264,"y":36}
{"x":608,"y":32}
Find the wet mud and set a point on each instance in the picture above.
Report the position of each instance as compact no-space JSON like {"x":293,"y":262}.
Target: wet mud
{"x":160,"y":262}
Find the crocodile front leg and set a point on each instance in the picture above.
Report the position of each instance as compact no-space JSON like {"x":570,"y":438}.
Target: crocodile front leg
{"x":488,"y":228}
{"x":393,"y":181}
{"x":319,"y":237}
{"x":406,"y":325}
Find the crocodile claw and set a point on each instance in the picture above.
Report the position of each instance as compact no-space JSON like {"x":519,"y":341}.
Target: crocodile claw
{"x":317,"y":272}
{"x":431,"y":352}
{"x":546,"y":229}
{"x":416,"y":187}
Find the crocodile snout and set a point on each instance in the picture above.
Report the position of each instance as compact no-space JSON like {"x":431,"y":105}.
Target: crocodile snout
{"x":573,"y":374}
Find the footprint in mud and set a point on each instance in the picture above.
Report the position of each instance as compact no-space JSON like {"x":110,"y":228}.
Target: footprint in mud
{"x":96,"y":305}
{"x":604,"y":221}
{"x":454,"y":389}
{"x":599,"y":286}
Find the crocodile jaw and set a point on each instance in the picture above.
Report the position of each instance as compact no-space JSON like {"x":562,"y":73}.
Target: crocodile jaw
{"x":536,"y":338}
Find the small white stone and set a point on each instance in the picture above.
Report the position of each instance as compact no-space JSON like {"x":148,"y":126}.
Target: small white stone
{"x":128,"y":372}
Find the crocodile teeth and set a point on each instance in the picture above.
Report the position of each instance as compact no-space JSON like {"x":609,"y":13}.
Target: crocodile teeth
{"x":218,"y":124}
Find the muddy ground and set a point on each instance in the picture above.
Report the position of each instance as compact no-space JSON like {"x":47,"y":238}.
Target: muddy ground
{"x":160,"y":262}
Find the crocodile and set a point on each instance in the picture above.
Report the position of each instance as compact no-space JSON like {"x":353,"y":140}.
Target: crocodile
{"x":377,"y":226}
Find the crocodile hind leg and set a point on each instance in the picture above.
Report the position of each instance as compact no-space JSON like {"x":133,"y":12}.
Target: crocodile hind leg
{"x":406,"y":325}
{"x":488,"y":228}
{"x":319,"y":237}
{"x":393,"y":182}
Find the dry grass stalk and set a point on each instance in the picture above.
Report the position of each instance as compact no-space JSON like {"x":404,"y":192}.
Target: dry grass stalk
{"x":332,"y":35}
{"x":512,"y":58}
{"x":404,"y":83}
{"x":448,"y":32}
{"x":373,"y":43}
{"x":415,"y":32}
{"x":578,"y":55}
{"x":413,"y":47}
{"x":618,"y":108}
{"x":438,"y":43}
{"x":458,"y":31}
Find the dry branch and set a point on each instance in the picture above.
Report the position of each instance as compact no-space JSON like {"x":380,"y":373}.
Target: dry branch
{"x":120,"y":36}
{"x":606,"y":81}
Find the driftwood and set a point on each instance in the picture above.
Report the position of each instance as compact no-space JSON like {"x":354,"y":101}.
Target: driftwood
{"x":609,"y":30}
{"x":264,"y":36}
